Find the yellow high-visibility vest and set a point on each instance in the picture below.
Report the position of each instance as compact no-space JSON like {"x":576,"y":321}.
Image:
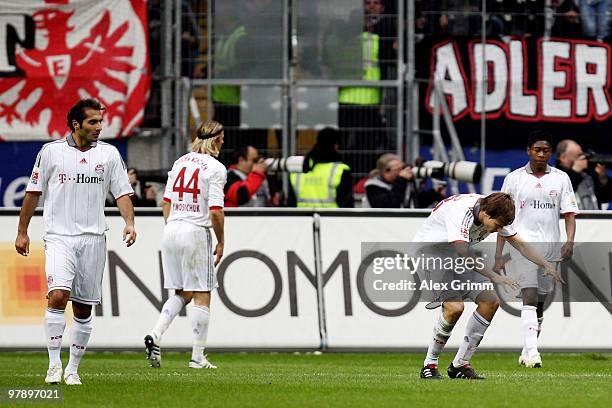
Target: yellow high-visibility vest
{"x":371,"y":72}
{"x":317,"y":188}
{"x":225,"y":57}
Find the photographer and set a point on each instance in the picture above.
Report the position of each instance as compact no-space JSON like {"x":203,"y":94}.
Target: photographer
{"x":388,"y":184}
{"x":246,"y":184}
{"x":590,"y":183}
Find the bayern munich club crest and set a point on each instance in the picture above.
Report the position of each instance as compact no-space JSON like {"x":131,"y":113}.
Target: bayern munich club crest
{"x":553,"y":193}
{"x":99,"y":169}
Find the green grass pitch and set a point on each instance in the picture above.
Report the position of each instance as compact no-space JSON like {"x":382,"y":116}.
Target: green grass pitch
{"x":330,"y":379}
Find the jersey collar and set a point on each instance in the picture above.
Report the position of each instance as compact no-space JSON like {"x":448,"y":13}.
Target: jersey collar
{"x":72,"y":143}
{"x":529,"y":170}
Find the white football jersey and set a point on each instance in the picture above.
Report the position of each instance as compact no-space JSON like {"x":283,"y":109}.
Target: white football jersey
{"x":453,"y":220}
{"x":194,"y":185}
{"x":74,"y":184}
{"x":538,"y":201}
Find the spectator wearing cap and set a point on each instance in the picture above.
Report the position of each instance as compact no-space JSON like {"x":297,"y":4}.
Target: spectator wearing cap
{"x":325,"y":181}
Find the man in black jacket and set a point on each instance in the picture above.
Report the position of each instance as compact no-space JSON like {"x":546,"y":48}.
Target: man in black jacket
{"x":592,"y":187}
{"x":387,"y":185}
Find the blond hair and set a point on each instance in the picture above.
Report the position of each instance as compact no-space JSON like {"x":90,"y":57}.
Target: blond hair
{"x":382,"y":163}
{"x":204,"y":143}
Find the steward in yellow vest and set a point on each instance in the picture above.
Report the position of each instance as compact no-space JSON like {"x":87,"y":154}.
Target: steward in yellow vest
{"x":326,"y":181}
{"x":370,"y":44}
{"x":225,"y":59}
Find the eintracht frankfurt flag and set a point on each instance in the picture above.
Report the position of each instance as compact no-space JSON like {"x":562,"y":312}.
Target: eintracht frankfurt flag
{"x":55,"y":52}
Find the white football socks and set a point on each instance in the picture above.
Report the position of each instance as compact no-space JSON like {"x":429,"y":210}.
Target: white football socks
{"x":81,"y":331}
{"x":474,"y":332}
{"x":55,"y":323}
{"x":171,"y":308}
{"x":529,"y":318}
{"x":199,"y":322}
{"x":442,"y":331}
{"x":540,"y":320}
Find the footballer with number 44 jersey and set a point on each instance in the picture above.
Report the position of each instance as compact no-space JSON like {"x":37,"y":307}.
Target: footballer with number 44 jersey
{"x":193,"y":204}
{"x":74,"y":175}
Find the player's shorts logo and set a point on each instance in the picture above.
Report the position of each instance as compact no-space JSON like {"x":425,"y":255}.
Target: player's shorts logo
{"x":99,"y":169}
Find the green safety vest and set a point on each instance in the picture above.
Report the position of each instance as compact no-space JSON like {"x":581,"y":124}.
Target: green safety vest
{"x":317,"y":188}
{"x":225,"y":57}
{"x":371,"y":72}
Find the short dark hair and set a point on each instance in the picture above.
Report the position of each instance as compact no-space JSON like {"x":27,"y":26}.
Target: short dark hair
{"x":77,"y":112}
{"x":539,"y":136}
{"x":499,"y":206}
{"x":238,"y":153}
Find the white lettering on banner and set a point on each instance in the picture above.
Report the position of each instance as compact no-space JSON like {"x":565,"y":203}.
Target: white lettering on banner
{"x":449,"y":72}
{"x":523,"y":103}
{"x":282,"y":312}
{"x":555,"y":80}
{"x":573,"y":80}
{"x":495,"y":57}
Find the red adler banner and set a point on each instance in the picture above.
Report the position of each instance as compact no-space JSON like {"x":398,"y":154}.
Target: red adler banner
{"x":55,"y":52}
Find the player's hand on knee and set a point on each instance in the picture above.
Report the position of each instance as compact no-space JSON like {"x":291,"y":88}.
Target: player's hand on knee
{"x":218,"y":252}
{"x":22,"y":244}
{"x":129,"y":235}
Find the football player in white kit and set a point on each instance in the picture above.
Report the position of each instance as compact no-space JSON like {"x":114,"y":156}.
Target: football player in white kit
{"x":74,"y":175}
{"x":193,"y":203}
{"x":452,"y":226}
{"x":540,"y":194}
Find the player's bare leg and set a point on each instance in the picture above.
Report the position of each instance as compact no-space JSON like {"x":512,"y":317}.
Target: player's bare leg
{"x":55,"y":324}
{"x":171,"y":308}
{"x":199,"y":322}
{"x":451,"y":312}
{"x":488,"y":303}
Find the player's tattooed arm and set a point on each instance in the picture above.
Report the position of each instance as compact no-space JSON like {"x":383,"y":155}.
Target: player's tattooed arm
{"x":22,"y":242}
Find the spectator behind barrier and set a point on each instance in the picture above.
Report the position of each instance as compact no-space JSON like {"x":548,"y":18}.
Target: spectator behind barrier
{"x":144,"y":195}
{"x":591,"y":185}
{"x":390,"y":184}
{"x":595,"y":17}
{"x":246,"y":184}
{"x":326,"y":181}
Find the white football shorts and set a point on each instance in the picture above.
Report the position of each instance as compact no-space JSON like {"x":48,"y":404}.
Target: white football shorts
{"x":187,"y":257}
{"x":466,"y":285}
{"x":76,"y":263}
{"x":530,"y":275}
